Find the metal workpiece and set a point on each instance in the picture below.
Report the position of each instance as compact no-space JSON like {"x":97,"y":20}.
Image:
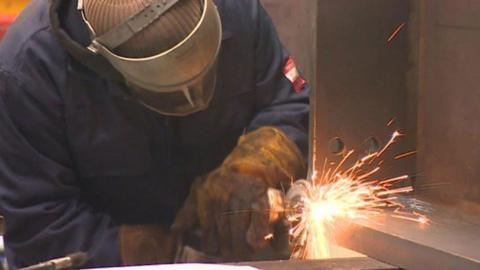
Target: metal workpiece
{"x":448,"y":102}
{"x":363,"y":263}
{"x":395,"y":59}
{"x":450,"y":241}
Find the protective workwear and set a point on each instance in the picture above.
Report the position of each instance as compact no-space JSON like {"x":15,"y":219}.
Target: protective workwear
{"x":231,"y":204}
{"x":78,"y":158}
{"x":145,"y":244}
{"x":165,"y":49}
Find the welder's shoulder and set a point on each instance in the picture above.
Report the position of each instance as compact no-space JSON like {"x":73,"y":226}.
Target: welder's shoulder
{"x":29,"y":53}
{"x":239,"y":12}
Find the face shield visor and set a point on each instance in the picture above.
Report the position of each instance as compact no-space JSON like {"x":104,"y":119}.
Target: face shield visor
{"x":178,"y":81}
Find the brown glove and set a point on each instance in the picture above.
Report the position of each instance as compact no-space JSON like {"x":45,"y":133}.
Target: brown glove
{"x":145,"y":244}
{"x":231,"y":204}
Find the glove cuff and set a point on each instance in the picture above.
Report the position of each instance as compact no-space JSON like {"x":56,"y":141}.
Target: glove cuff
{"x":145,"y":244}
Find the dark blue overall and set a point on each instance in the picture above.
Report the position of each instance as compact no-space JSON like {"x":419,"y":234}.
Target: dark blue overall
{"x":77,"y":158}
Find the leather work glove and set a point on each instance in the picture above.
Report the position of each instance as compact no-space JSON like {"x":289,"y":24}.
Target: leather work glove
{"x":145,"y":244}
{"x":231,"y":204}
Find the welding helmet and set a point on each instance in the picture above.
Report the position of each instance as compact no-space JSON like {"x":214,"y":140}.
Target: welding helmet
{"x":165,"y":49}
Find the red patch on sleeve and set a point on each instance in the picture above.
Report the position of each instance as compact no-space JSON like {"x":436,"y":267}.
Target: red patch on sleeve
{"x":5,"y":22}
{"x":291,"y":73}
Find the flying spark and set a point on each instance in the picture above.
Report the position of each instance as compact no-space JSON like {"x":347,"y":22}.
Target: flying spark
{"x":396,"y":32}
{"x":269,"y":236}
{"x":404,"y":155}
{"x":344,"y":193}
{"x":391,"y":122}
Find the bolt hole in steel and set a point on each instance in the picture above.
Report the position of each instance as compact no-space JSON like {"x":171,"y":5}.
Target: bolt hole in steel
{"x":336,"y":146}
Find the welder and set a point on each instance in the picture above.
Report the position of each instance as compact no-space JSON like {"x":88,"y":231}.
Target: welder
{"x":127,"y":123}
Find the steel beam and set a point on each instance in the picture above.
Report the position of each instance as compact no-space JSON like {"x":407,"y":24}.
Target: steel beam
{"x":332,"y":264}
{"x":452,"y":241}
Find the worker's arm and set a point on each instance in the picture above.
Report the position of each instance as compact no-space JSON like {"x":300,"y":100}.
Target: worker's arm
{"x":280,"y":102}
{"x":231,"y":203}
{"x":39,"y":193}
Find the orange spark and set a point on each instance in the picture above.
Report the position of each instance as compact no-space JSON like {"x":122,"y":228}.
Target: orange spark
{"x":395,"y":179}
{"x":396,"y":32}
{"x":396,"y":191}
{"x":404,"y":155}
{"x":372,"y":172}
{"x":269,"y":236}
{"x":391,"y":121}
{"x":395,"y":135}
